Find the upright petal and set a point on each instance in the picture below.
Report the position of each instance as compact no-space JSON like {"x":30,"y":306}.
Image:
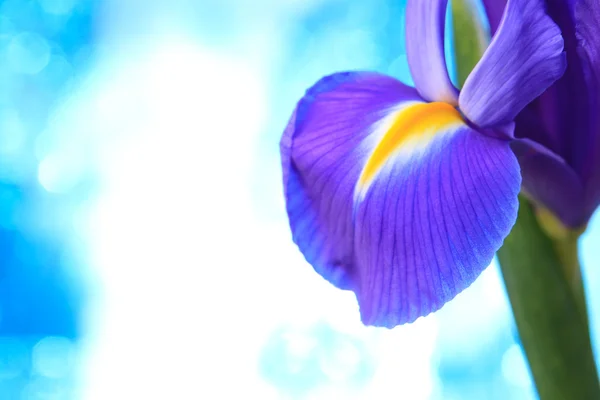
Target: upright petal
{"x":524,"y":58}
{"x":565,"y":119}
{"x":558,"y":118}
{"x":494,"y":10}
{"x":323,"y":149}
{"x":541,"y":120}
{"x":586,"y":153}
{"x":425,"y":22}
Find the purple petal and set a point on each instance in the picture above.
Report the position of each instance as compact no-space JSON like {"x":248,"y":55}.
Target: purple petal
{"x":550,"y":182}
{"x":565,"y":118}
{"x":524,"y":58}
{"x":431,"y":223}
{"x":586,"y":153}
{"x":559,"y":118}
{"x":396,"y":199}
{"x":425,"y":50}
{"x":494,"y":10}
{"x":540,"y":121}
{"x":323,"y":150}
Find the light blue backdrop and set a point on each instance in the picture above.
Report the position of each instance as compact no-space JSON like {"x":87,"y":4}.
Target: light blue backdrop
{"x":144,"y":249}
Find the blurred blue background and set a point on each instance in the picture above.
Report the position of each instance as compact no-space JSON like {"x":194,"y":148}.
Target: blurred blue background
{"x":144,"y":249}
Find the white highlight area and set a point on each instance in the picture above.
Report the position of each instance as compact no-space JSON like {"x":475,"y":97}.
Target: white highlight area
{"x":172,"y":232}
{"x":191,"y":283}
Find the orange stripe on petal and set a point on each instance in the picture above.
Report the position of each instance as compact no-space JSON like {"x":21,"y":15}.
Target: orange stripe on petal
{"x":415,"y":125}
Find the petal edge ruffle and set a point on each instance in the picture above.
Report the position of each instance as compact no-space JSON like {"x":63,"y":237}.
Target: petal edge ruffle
{"x":322,"y":150}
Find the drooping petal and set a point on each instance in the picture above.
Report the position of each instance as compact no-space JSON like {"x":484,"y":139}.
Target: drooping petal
{"x":425,"y":22}
{"x":524,"y":58}
{"x":494,"y":10}
{"x":550,"y":182}
{"x":431,"y":221}
{"x":323,"y":149}
{"x":396,"y":199}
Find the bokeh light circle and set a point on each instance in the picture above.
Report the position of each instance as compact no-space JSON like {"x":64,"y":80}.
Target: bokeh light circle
{"x":53,"y":357}
{"x":28,"y":53}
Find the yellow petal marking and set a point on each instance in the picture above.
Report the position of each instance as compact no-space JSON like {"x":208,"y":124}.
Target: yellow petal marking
{"x":414,"y":125}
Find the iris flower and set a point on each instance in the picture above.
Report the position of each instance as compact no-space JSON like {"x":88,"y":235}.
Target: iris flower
{"x":559,"y":132}
{"x":402,"y":194}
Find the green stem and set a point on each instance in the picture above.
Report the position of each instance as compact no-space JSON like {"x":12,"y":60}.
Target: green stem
{"x":567,"y":253}
{"x":541,"y":270}
{"x":549,"y":309}
{"x":566,"y":245}
{"x":473,"y":41}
